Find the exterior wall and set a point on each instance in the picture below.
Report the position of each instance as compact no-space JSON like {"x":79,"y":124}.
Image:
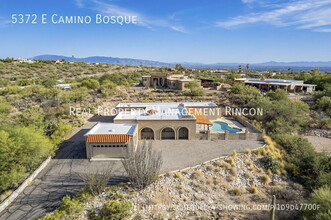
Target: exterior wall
{"x":172,"y":84}
{"x":123,"y":121}
{"x":158,"y":126}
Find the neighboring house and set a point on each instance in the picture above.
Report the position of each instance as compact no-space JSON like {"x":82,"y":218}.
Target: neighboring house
{"x":291,"y":86}
{"x":167,"y":81}
{"x":149,"y":121}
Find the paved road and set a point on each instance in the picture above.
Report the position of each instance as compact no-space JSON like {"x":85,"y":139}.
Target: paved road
{"x":62,"y":177}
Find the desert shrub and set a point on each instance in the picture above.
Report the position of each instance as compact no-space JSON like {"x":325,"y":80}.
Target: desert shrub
{"x":231,"y":161}
{"x":252,"y":190}
{"x":321,"y":197}
{"x":248,"y":151}
{"x":90,"y":83}
{"x":97,"y":181}
{"x":270,"y":163}
{"x":116,"y":210}
{"x":233,"y":171}
{"x":142,"y":165}
{"x":5,"y":107}
{"x":196,"y":174}
{"x":269,"y":172}
{"x":108,"y":88}
{"x":266,"y":179}
{"x":209,"y":168}
{"x":237,"y":191}
{"x":179,"y":175}
{"x":22,"y":149}
{"x":324,"y":104}
{"x":310,"y":168}
{"x":61,"y":133}
{"x":324,"y":123}
{"x":70,"y":205}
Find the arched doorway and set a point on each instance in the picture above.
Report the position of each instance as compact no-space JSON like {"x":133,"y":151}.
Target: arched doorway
{"x":168,"y":134}
{"x":147,"y":134}
{"x":183,"y":133}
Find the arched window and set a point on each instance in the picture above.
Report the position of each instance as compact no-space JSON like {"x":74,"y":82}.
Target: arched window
{"x":168,"y":134}
{"x":183,"y":133}
{"x":147,"y":133}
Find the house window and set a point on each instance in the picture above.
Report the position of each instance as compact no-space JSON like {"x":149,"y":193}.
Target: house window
{"x":168,"y":134}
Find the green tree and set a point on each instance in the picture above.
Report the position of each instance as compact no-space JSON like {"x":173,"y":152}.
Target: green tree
{"x":61,"y":133}
{"x":32,"y":117}
{"x":278,"y":95}
{"x":321,"y":197}
{"x":49,"y":83}
{"x":90,"y":83}
{"x":108,"y":88}
{"x":22,"y":149}
{"x":195,"y":88}
{"x":324,"y":104}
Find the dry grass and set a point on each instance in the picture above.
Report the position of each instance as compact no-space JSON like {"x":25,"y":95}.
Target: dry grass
{"x":178,"y":175}
{"x":284,"y":172}
{"x":210,"y":168}
{"x":248,"y":151}
{"x":252,"y":189}
{"x":234,"y":153}
{"x":266,"y":179}
{"x":196,"y":175}
{"x":248,"y":175}
{"x":218,"y":163}
{"x":231,"y":161}
{"x":237,"y":191}
{"x":233,"y":171}
{"x":250,"y":165}
{"x":230,"y":178}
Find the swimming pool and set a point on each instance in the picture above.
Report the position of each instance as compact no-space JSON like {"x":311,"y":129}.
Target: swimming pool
{"x":222,"y":127}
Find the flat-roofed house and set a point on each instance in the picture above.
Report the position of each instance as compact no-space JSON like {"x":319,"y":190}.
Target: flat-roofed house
{"x":149,"y":121}
{"x":291,"y":86}
{"x":166,"y":81}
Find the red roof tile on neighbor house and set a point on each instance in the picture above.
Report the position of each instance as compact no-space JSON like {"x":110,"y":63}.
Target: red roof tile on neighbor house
{"x":108,"y":138}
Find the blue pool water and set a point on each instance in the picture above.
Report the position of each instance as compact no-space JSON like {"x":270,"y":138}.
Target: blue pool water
{"x":222,"y":127}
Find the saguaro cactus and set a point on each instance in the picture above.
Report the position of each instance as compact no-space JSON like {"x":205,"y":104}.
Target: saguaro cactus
{"x":273,"y":208}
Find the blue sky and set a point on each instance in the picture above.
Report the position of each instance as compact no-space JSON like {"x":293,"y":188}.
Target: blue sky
{"x":207,"y":31}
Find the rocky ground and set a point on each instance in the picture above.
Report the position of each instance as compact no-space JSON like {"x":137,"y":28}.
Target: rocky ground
{"x":236,"y":187}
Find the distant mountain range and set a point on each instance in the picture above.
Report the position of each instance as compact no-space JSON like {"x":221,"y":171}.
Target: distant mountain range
{"x":272,"y":65}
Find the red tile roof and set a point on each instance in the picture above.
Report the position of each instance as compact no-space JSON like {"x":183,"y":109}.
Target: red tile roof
{"x":108,"y":138}
{"x":201,"y":118}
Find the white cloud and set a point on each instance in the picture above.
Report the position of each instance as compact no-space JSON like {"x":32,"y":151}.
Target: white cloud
{"x":4,"y":22}
{"x":248,"y":1}
{"x":302,"y":14}
{"x":142,"y":20}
